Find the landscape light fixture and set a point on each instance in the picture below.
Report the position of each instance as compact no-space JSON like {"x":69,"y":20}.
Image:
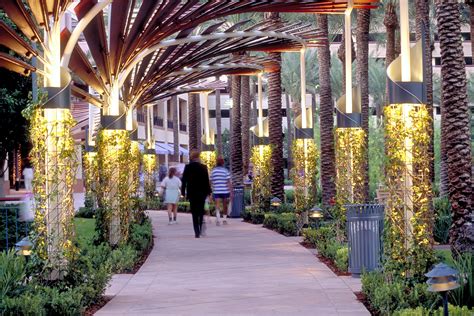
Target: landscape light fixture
{"x":442,"y":279}
{"x":275,"y":202}
{"x":24,"y":247}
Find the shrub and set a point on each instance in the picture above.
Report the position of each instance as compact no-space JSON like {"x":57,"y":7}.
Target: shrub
{"x":388,"y":296}
{"x":246,"y":214}
{"x":184,"y":207}
{"x":310,"y":236}
{"x":442,"y":219}
{"x":141,"y":236}
{"x":284,"y":223}
{"x":257,"y":217}
{"x":12,"y":274}
{"x":285,"y":208}
{"x":123,"y":258}
{"x":85,"y":212}
{"x":290,"y":196}
{"x":342,"y":258}
{"x":420,"y":311}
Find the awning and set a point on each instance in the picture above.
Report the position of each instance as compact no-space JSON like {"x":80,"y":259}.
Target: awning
{"x":169,"y":149}
{"x":159,"y":150}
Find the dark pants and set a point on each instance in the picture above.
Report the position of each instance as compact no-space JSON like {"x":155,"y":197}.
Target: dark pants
{"x":197,"y":209}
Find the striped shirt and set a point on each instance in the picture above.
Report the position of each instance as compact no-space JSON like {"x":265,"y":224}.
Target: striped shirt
{"x":220,"y":177}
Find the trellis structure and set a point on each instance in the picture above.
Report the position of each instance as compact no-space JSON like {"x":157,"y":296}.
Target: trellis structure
{"x":134,"y":28}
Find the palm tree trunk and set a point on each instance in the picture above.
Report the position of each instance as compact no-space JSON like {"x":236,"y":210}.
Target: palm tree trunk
{"x":192,"y":121}
{"x":198,"y":122}
{"x":342,"y":57}
{"x":391,"y":24}
{"x":362,"y":39}
{"x":423,"y":20}
{"x":218,"y":122}
{"x":236,"y":136}
{"x":289,"y":131}
{"x":174,"y":108}
{"x":246,"y":103}
{"x":457,"y":128}
{"x":326,"y":116}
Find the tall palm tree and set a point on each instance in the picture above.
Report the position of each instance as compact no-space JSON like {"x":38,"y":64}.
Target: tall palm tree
{"x":423,"y":21}
{"x":457,"y":128}
{"x":218,"y":122}
{"x":391,"y":24}
{"x":236,"y":137}
{"x":192,"y":123}
{"x":362,"y":73}
{"x":275,"y":119}
{"x":174,"y":108}
{"x":328,"y":169}
{"x":246,"y":107}
{"x":198,"y":121}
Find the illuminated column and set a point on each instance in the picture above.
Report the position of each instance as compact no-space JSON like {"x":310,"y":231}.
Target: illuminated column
{"x":208,"y":154}
{"x":114,"y":160}
{"x":149,"y":158}
{"x":305,"y":154}
{"x":260,"y":156}
{"x":407,"y":146}
{"x":349,"y":145}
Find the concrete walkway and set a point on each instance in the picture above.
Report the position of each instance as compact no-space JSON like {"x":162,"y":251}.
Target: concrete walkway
{"x":239,"y":269}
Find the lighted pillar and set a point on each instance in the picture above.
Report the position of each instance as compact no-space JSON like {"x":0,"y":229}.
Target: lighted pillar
{"x":350,"y":146}
{"x":54,"y":160}
{"x":149,"y":158}
{"x":407,"y":169}
{"x":208,"y":154}
{"x":305,"y":154}
{"x":261,"y":156}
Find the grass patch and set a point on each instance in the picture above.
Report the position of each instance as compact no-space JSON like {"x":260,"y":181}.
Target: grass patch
{"x":85,"y":231}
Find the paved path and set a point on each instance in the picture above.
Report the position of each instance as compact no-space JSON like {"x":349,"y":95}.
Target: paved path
{"x":239,"y":269}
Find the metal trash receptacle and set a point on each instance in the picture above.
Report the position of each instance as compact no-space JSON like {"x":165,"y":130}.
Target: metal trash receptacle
{"x":364,"y":233}
{"x":237,"y":202}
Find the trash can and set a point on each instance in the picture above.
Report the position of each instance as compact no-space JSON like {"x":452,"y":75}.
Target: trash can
{"x":364,"y":233}
{"x":237,"y":202}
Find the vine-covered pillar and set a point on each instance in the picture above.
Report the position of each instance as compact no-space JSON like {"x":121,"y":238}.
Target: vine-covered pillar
{"x":54,"y":161}
{"x":149,"y":158}
{"x":114,"y":160}
{"x":349,"y":135}
{"x":408,"y":242}
{"x":260,"y":157}
{"x":305,"y":155}
{"x":208,"y":155}
{"x":90,"y":171}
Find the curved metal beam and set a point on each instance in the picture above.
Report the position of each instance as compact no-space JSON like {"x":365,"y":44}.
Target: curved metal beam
{"x":198,"y":38}
{"x":71,"y":43}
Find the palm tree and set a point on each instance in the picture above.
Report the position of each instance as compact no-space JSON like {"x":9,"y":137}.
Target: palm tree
{"x":246,"y":104}
{"x":456,"y":129}
{"x":423,"y":21}
{"x":198,"y":121}
{"x":193,"y":133}
{"x":275,"y":119}
{"x":218,"y":122}
{"x":328,"y":169}
{"x":362,"y":39}
{"x":174,"y":108}
{"x":391,"y":24}
{"x":236,"y":136}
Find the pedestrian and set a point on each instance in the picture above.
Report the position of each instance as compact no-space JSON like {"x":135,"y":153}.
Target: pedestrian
{"x":196,"y":188}
{"x":28,"y":177}
{"x":221,"y":189}
{"x":171,"y":186}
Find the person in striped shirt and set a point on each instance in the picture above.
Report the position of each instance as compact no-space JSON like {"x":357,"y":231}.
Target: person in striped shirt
{"x":221,"y":189}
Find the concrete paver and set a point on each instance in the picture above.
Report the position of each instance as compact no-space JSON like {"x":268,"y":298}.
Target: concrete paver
{"x":238,"y":269}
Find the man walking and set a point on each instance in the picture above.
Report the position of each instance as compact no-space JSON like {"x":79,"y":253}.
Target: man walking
{"x":221,"y":189}
{"x":196,"y":188}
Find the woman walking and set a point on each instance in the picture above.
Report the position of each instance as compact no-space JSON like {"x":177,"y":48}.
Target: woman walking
{"x":171,"y":186}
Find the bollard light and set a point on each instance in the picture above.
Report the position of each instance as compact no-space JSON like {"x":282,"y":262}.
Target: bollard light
{"x":442,"y":278}
{"x":23,"y":247}
{"x":316,"y":213}
{"x":275,"y":202}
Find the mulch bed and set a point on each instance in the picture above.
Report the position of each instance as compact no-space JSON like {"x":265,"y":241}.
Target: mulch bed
{"x":91,"y":310}
{"x":307,"y":245}
{"x":361,"y":297}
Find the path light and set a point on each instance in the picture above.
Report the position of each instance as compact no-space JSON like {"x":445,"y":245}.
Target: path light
{"x":23,"y":247}
{"x":275,"y":202}
{"x":316,"y":213}
{"x":442,"y":278}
